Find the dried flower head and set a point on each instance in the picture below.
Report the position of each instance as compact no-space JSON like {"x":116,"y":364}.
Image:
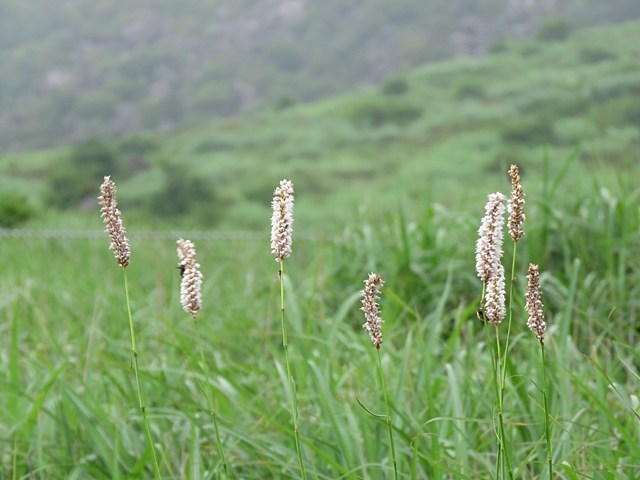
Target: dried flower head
{"x":191,"y":284}
{"x":489,"y":243}
{"x":494,"y":299}
{"x":533,"y":305}
{"x":113,"y":222}
{"x":516,"y":202}
{"x":282,"y":220}
{"x":370,"y":295}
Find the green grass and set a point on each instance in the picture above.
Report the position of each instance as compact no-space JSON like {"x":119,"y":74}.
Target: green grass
{"x":403,"y":199}
{"x":68,"y":408}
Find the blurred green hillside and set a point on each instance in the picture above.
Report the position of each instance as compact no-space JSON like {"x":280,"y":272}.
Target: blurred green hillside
{"x":444,"y":133}
{"x":73,"y":70}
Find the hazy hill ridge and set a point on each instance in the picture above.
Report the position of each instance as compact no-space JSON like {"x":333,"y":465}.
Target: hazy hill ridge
{"x":74,"y":69}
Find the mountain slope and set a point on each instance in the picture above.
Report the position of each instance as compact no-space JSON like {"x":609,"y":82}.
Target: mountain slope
{"x":445,"y":133}
{"x":72,"y":70}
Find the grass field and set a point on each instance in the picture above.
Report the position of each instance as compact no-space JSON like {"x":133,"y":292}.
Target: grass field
{"x":388,"y":183}
{"x":69,"y":407}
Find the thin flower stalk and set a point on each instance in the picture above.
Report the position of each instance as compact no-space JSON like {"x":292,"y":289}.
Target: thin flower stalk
{"x":120,"y":246}
{"x":516,"y":231}
{"x":281,"y":247}
{"x":489,"y":269}
{"x":515,"y":207}
{"x":191,"y":300}
{"x":538,"y":326}
{"x":373,"y":325}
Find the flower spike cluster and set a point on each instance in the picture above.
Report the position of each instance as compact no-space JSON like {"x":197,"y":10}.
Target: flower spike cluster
{"x":282,"y":220}
{"x":494,"y":300}
{"x":191,"y":284}
{"x":370,"y":295}
{"x":533,"y":305}
{"x":113,"y":222}
{"x":516,"y":202}
{"x":489,"y":256}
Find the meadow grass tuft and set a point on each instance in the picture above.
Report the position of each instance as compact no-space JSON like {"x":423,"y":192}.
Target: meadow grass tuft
{"x":373,"y":325}
{"x":191,"y":300}
{"x":281,"y":243}
{"x":64,"y":411}
{"x":120,"y":246}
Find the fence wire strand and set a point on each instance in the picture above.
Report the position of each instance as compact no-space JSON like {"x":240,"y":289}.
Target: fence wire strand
{"x":149,"y":235}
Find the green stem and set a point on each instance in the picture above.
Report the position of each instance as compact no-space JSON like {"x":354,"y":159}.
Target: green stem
{"x":495,"y":380}
{"x":485,"y":323}
{"x":506,"y":346}
{"x":285,"y":345}
{"x":14,"y":474}
{"x":212,"y":408}
{"x":502,"y":365}
{"x":546,"y":413}
{"x":500,"y":388}
{"x":141,"y":404}
{"x":386,"y":406}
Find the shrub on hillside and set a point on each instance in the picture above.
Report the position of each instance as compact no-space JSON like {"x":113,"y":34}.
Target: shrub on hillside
{"x":468,"y":88}
{"x":77,"y":176}
{"x":618,"y":112}
{"x":498,"y":45}
{"x":596,"y":53}
{"x":14,"y":210}
{"x":617,"y":86}
{"x":284,"y":102}
{"x":378,"y":112}
{"x":528,"y":131}
{"x":395,"y":86}
{"x":184,"y":195}
{"x":529,"y":49}
{"x":553,"y":104}
{"x":554,"y":30}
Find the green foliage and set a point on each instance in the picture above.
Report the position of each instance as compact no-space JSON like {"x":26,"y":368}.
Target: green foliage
{"x":74,"y":70}
{"x":395,"y":86}
{"x":137,"y":146}
{"x":554,"y":30}
{"x":66,"y":361}
{"x":341,"y":150}
{"x":618,"y":85}
{"x":79,"y":175}
{"x":162,"y":113}
{"x":185,"y":195}
{"x":96,"y":105}
{"x":618,"y":112}
{"x":284,"y":101}
{"x":498,"y":45}
{"x":528,"y":131}
{"x":596,"y":54}
{"x":376,"y":112}
{"x":468,"y":88}
{"x":553,"y":103}
{"x":529,"y":49}
{"x":15,"y":210}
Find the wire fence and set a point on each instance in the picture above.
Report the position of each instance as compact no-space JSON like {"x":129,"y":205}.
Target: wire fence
{"x":151,"y":235}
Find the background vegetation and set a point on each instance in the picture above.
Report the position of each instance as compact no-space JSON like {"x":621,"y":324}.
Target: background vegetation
{"x":72,"y":70}
{"x":69,"y":409}
{"x":445,"y":133}
{"x":392,"y":179}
